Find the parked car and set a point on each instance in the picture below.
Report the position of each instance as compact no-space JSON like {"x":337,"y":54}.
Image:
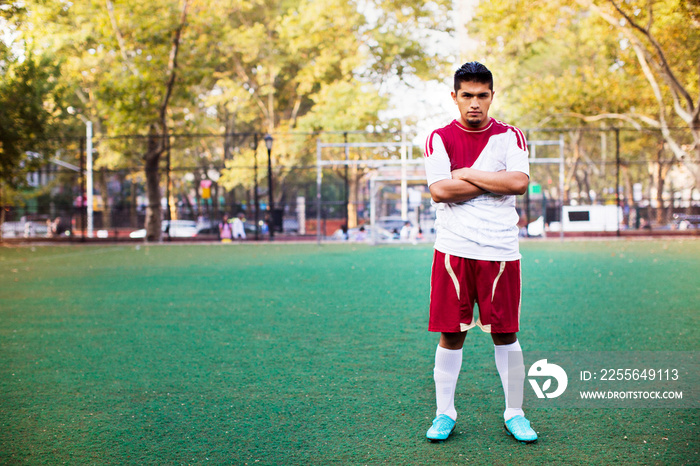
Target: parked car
{"x":207,"y":229}
{"x":175,"y":228}
{"x":25,"y":229}
{"x":685,"y":221}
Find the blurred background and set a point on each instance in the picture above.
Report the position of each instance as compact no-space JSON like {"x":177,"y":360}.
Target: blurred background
{"x":154,"y":119}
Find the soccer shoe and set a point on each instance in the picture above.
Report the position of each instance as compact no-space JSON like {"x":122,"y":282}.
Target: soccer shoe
{"x":520,"y":429}
{"x":442,"y":427}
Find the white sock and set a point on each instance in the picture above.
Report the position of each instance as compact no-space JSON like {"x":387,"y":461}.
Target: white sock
{"x":511,"y":368}
{"x":447,"y":366}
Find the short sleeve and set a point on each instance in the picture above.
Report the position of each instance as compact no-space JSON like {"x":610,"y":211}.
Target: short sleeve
{"x":517,"y":155}
{"x":437,"y":162}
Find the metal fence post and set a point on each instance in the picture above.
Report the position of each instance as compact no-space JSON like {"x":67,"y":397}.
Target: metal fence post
{"x":255,"y":194}
{"x":83,"y":211}
{"x":319,"y":176}
{"x":617,"y":180}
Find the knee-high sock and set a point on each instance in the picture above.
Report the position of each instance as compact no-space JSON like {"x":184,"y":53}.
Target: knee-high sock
{"x":509,"y":362}
{"x":447,"y":366}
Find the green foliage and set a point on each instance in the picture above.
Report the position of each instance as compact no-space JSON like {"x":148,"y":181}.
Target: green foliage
{"x":27,"y":113}
{"x":599,"y":63}
{"x":556,"y":61}
{"x":245,"y":65}
{"x":316,"y":65}
{"x":271,"y":66}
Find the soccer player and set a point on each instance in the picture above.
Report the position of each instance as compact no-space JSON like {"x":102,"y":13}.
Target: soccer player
{"x":475,"y":167}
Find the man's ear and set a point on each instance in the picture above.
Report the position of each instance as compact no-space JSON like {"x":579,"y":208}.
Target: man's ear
{"x":454,"y":96}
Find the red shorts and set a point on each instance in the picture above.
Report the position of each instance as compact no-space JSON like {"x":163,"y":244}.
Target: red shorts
{"x":457,"y":283}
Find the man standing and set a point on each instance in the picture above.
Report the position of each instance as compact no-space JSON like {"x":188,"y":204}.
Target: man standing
{"x":475,"y":167}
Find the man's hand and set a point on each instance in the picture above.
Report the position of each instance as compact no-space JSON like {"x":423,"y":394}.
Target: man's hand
{"x":501,"y":182}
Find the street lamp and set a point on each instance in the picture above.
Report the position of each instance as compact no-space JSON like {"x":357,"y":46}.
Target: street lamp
{"x":254,"y":146}
{"x":268,"y":144}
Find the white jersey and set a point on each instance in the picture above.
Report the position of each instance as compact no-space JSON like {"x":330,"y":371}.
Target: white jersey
{"x":486,"y":227}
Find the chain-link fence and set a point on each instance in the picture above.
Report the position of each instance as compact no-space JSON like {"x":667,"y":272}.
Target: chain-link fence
{"x":632,"y":172}
{"x":335,"y":185}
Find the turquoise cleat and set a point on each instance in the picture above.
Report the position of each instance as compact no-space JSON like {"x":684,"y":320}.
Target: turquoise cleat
{"x":442,"y":427}
{"x":520,"y":429}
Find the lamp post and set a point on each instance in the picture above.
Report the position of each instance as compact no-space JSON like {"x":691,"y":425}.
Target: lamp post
{"x":268,"y":144}
{"x":255,"y":193}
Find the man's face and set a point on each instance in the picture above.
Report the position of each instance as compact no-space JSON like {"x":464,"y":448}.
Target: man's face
{"x":473,"y":100}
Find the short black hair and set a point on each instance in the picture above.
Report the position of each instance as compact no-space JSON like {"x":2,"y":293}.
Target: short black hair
{"x":473,"y":72}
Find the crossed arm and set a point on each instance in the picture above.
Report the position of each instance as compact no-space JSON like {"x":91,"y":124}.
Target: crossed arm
{"x":468,"y":183}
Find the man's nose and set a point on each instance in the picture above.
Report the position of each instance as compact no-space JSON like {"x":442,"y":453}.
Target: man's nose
{"x":474,"y":102}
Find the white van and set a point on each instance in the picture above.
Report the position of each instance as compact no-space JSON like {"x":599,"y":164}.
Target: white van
{"x":592,"y":218}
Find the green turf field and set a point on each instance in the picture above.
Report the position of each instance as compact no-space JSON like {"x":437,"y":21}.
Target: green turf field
{"x":290,"y":354}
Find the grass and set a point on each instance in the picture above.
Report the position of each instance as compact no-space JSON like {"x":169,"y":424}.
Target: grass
{"x":303,"y":354}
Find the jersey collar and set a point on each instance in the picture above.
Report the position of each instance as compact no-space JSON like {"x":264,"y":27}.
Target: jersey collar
{"x":468,"y":130}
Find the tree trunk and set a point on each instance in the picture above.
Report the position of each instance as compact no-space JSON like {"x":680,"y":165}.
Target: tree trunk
{"x":197,"y":197}
{"x":133,"y":206}
{"x":661,"y":171}
{"x":2,"y":212}
{"x":249,"y":207}
{"x":352,"y":197}
{"x":189,"y":206}
{"x":173,"y":199}
{"x":101,"y":181}
{"x":153,"y":195}
{"x":629,"y":193}
{"x":575,"y":139}
{"x":158,"y":140}
{"x":579,"y":185}
{"x":659,"y":193}
{"x":587,"y":185}
{"x":230,"y":201}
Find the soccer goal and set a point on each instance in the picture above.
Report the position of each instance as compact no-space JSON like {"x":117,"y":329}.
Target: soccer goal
{"x":405,"y":171}
{"x":543,"y":169}
{"x":387,"y":169}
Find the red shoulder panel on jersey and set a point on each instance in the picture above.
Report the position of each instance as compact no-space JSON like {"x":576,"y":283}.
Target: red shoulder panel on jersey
{"x":429,"y":144}
{"x":519,"y":136}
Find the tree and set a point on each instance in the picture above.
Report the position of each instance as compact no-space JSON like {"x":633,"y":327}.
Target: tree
{"x":28,"y":109}
{"x":665,"y":37}
{"x":316,"y":66}
{"x":121,"y":62}
{"x":154,"y":68}
{"x":586,"y":64}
